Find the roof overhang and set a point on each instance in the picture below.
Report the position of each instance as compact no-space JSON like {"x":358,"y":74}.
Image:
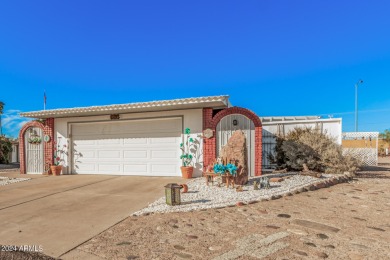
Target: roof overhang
{"x":216,"y":102}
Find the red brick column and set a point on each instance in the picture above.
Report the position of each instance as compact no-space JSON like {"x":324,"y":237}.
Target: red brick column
{"x":48,"y":147}
{"x":209,"y":145}
{"x":209,"y":150}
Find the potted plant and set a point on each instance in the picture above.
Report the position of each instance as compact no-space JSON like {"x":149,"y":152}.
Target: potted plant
{"x":188,"y":148}
{"x":59,"y":153}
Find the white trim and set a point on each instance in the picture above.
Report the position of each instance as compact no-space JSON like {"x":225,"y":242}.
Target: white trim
{"x":174,"y":104}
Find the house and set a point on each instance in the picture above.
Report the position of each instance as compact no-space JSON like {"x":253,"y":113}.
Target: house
{"x":136,"y":138}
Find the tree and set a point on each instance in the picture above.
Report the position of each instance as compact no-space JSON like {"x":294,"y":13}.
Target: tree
{"x":2,"y":104}
{"x":385,"y":136}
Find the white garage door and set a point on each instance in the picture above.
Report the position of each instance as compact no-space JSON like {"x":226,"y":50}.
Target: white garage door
{"x":135,"y":147}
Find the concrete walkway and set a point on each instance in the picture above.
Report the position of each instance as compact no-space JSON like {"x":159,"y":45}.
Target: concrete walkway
{"x":59,"y":213}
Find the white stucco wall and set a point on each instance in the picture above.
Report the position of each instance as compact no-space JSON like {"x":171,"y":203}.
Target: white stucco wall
{"x":191,"y":119}
{"x":15,"y":153}
{"x":332,"y":127}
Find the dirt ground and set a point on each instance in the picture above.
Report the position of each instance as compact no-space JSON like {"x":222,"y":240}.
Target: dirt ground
{"x":345,"y":221}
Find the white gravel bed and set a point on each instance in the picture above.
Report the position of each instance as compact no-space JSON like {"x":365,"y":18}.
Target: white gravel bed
{"x":201,"y":196}
{"x":5,"y":180}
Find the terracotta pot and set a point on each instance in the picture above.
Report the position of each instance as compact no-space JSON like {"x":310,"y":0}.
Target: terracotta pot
{"x":56,"y":169}
{"x":185,"y":188}
{"x":186,"y":172}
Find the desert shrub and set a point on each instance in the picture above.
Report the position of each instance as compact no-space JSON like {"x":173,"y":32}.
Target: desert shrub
{"x":278,"y":158}
{"x":298,"y":153}
{"x":317,"y":150}
{"x":5,"y":150}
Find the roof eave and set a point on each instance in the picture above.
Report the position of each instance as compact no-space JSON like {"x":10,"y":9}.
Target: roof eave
{"x":222,"y":102}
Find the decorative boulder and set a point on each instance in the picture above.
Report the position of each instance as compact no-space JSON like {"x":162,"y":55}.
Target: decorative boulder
{"x":235,"y":151}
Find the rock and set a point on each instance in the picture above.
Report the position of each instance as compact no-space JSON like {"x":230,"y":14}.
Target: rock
{"x":321,"y":255}
{"x":240,"y":203}
{"x":312,"y":188}
{"x":320,"y":185}
{"x":330,"y":246}
{"x":192,"y":236}
{"x":315,"y":225}
{"x":123,"y":243}
{"x":215,"y":248}
{"x":284,"y":216}
{"x":272,"y":227}
{"x":301,"y":253}
{"x":302,"y":190}
{"x":310,"y":244}
{"x":378,"y":229}
{"x":276,"y":179}
{"x":235,"y":150}
{"x":179,"y":247}
{"x":322,"y":236}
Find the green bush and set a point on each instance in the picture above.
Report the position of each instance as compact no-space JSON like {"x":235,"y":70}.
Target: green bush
{"x":5,"y":150}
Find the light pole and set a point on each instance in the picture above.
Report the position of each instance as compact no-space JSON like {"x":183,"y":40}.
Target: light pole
{"x":356,"y":103}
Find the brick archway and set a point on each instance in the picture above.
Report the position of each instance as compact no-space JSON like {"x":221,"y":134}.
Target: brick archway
{"x":210,"y":121}
{"x":48,"y":147}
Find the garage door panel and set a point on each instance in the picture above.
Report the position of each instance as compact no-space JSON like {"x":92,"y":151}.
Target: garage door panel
{"x":86,"y":167}
{"x":163,"y":140}
{"x":149,"y":147}
{"x":109,"y":154}
{"x":164,"y":154}
{"x":139,"y":154}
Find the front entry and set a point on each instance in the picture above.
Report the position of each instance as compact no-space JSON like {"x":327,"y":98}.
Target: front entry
{"x":226,"y":127}
{"x":33,"y":141}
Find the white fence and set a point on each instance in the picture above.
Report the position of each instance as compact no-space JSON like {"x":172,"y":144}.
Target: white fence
{"x":367,"y":155}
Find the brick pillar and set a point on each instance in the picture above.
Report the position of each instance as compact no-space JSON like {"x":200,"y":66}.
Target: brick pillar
{"x":208,"y":144}
{"x":48,"y":147}
{"x":258,"y":150}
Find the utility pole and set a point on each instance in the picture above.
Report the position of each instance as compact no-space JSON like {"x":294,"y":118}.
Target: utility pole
{"x":356,"y":103}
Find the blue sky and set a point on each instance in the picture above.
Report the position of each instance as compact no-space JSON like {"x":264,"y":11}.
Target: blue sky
{"x":277,"y":58}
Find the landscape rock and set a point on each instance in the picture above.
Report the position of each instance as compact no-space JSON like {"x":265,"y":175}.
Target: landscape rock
{"x":278,"y":179}
{"x":235,"y":150}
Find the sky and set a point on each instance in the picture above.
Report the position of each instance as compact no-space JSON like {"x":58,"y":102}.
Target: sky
{"x":276,"y":57}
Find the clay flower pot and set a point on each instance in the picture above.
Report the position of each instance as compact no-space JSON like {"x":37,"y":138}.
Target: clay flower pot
{"x":186,"y":171}
{"x":185,"y":188}
{"x":56,"y":169}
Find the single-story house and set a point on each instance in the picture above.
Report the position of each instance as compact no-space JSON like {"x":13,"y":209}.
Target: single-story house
{"x":136,"y":138}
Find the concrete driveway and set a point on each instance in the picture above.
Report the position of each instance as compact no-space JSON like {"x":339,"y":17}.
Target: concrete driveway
{"x":59,"y":213}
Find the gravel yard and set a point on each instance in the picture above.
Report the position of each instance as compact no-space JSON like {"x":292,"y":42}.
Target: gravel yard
{"x":201,"y":196}
{"x":6,"y":180}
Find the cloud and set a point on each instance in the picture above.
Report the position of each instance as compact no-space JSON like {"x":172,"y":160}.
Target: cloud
{"x":12,"y":122}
